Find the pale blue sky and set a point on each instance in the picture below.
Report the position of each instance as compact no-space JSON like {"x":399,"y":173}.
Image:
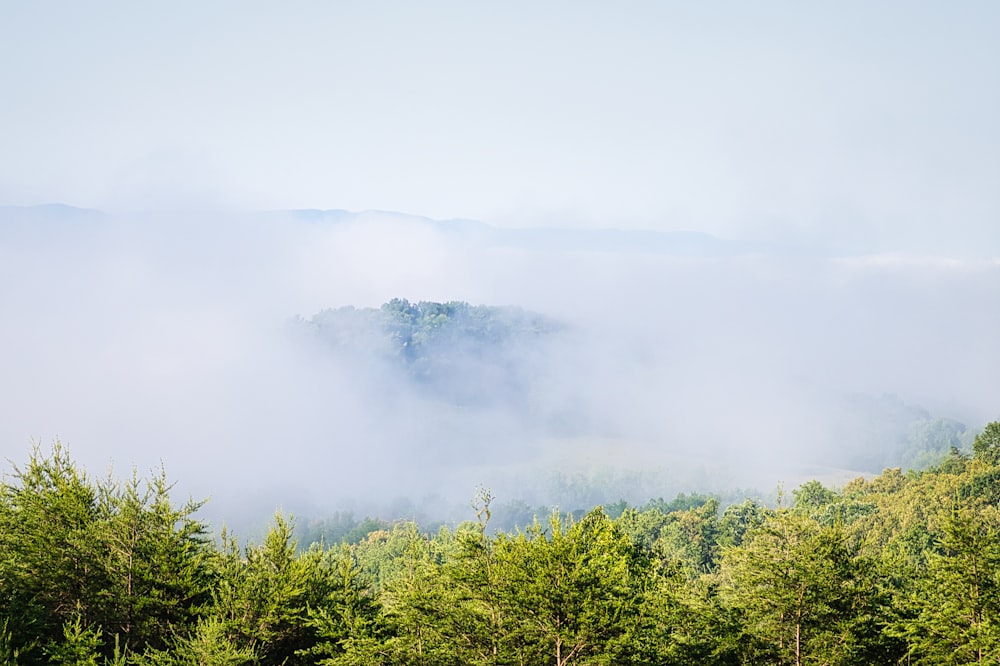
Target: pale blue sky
{"x":871,"y":125}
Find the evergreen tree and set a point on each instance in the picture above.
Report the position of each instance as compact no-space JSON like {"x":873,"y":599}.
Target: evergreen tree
{"x":154,"y":555}
{"x":346,"y":619}
{"x":954,"y":613}
{"x":51,"y":564}
{"x":261,"y":595}
{"x":574,"y":590}
{"x":208,"y":644}
{"x":801,"y":594}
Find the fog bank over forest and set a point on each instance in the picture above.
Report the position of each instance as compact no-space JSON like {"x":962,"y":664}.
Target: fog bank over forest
{"x":674,"y":362}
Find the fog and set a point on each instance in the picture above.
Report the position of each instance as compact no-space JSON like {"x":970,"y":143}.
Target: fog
{"x":766,"y":235}
{"x":141,"y":340}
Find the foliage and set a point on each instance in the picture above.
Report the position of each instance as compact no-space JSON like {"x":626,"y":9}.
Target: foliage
{"x":207,"y":645}
{"x":340,"y":527}
{"x":464,"y":354}
{"x":801,"y":592}
{"x":896,"y":568}
{"x":986,"y":445}
{"x":954,"y":613}
{"x":109,"y":559}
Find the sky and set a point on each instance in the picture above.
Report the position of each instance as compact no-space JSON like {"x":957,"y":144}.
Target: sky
{"x":864,"y":126}
{"x":852,"y":148}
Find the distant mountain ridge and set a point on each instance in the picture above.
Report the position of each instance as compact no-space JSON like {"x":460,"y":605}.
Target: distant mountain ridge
{"x":50,"y":211}
{"x":53,"y":208}
{"x":677,"y":243}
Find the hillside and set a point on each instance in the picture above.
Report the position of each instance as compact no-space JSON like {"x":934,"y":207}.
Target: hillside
{"x":897,"y":568}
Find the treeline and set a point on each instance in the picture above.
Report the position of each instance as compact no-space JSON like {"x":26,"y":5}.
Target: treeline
{"x":900,"y":568}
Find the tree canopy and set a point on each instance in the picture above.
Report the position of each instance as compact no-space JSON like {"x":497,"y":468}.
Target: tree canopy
{"x":896,"y":568}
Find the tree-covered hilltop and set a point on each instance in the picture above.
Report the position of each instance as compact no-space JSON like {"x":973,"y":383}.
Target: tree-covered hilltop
{"x":462,"y":353}
{"x":544,"y":373}
{"x":876,"y":432}
{"x":898,"y":568}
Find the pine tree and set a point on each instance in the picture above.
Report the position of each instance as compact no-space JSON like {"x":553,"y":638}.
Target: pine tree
{"x":954,"y":614}
{"x":51,"y":568}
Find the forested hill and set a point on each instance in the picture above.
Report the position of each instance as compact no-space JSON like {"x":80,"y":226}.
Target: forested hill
{"x":482,"y":357}
{"x":900,"y":568}
{"x":462,"y":353}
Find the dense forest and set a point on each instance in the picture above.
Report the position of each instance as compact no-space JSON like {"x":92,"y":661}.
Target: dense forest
{"x":896,"y":568}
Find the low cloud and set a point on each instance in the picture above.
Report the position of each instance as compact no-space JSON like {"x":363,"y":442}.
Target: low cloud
{"x":169,"y":338}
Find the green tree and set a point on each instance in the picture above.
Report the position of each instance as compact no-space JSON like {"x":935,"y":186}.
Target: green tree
{"x":347,"y":618}
{"x":986,"y":445}
{"x":420,"y":603}
{"x":739,"y":519}
{"x":478,"y":624}
{"x":115,"y":562}
{"x":51,"y":568}
{"x":574,"y":589}
{"x":691,"y":538}
{"x":154,"y":557}
{"x":261,"y":595}
{"x":812,"y":496}
{"x":208,"y":644}
{"x":801,"y":594}
{"x":79,"y":646}
{"x":954,"y":613}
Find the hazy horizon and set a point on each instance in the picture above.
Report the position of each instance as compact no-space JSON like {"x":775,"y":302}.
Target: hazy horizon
{"x":871,"y":127}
